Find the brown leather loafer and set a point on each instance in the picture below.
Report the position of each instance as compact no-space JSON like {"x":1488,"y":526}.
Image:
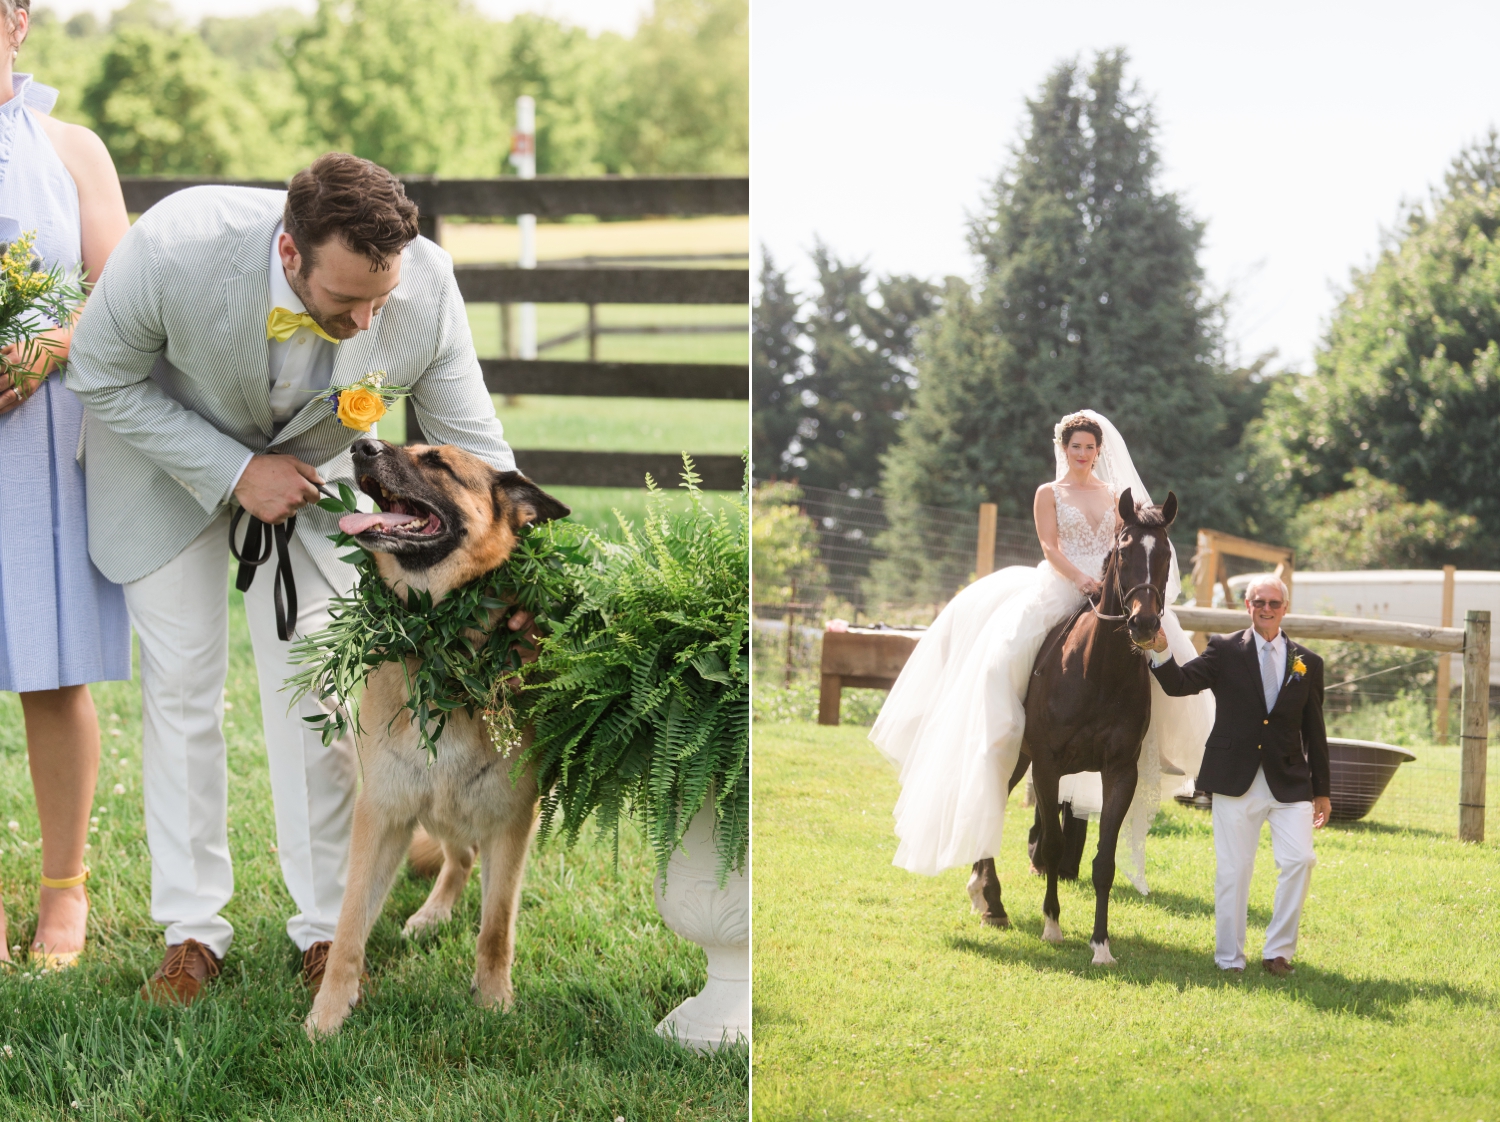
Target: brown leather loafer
{"x":1278,"y":966}
{"x":183,"y":974}
{"x":315,"y":962}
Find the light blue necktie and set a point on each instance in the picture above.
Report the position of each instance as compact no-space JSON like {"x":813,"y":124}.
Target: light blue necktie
{"x":1268,"y":676}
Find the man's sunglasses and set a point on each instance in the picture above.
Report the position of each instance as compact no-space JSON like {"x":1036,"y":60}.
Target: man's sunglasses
{"x":1272,"y":604}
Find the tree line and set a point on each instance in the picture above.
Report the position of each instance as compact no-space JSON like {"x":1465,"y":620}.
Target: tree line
{"x":1089,"y":293}
{"x":418,"y":88}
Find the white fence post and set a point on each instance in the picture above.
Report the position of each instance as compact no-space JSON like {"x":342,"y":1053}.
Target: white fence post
{"x":523,"y":156}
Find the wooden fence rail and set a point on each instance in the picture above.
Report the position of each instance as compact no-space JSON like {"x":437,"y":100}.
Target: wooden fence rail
{"x":870,"y":658}
{"x":592,"y":284}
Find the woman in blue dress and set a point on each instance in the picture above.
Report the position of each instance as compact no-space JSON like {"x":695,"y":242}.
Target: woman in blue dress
{"x":62,"y":625}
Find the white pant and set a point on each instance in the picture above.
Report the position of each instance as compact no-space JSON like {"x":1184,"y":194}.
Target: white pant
{"x":1237,"y":823}
{"x":181,"y":614}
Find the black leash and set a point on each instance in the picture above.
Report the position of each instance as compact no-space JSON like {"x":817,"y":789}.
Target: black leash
{"x":259,"y":540}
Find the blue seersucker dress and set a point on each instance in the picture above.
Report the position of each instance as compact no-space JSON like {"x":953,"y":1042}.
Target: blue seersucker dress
{"x":61,"y":622}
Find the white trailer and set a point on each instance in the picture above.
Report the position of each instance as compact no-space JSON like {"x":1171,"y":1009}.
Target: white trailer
{"x":1401,"y":595}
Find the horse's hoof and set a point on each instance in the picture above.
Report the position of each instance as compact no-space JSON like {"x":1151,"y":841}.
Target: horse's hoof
{"x":1102,"y":957}
{"x":1051,"y":930}
{"x":1001,"y":920}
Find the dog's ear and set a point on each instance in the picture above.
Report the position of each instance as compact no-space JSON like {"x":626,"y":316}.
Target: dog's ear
{"x":533,"y":504}
{"x":1127,"y":506}
{"x":1169,"y":509}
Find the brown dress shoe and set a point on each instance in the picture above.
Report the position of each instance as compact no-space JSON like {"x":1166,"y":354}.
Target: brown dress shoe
{"x":315,"y":962}
{"x":1278,"y":966}
{"x":187,"y":969}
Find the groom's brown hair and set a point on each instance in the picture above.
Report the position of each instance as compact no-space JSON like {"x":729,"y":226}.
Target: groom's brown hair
{"x":357,"y":201}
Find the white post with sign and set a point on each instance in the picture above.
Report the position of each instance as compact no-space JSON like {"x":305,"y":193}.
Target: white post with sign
{"x":523,"y":157}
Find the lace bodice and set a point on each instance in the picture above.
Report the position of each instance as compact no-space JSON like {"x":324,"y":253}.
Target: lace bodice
{"x":1083,"y":543}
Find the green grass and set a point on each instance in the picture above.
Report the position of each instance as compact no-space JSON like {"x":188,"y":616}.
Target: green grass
{"x":553,"y":320}
{"x":878,"y":995}
{"x":595,"y":969}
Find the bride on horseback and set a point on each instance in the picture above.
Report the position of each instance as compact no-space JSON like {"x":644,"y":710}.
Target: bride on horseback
{"x":954,"y":720}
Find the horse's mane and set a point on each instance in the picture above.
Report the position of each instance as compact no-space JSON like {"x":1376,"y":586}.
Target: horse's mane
{"x":1149,"y":515}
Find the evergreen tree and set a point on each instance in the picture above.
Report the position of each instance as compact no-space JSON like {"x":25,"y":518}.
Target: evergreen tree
{"x":861,"y":375}
{"x":1090,"y":296}
{"x":1407,"y":382}
{"x":777,"y":366}
{"x":828,"y":413}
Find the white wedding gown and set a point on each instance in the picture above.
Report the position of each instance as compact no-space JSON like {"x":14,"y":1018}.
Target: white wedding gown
{"x":953,"y":721}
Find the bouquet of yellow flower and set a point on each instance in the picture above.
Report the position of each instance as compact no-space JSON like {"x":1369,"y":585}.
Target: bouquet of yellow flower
{"x":30,"y":296}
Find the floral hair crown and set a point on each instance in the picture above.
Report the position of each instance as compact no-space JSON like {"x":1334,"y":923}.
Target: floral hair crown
{"x":1075,"y":420}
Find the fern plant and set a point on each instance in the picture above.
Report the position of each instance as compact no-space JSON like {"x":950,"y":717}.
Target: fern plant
{"x":640,"y":698}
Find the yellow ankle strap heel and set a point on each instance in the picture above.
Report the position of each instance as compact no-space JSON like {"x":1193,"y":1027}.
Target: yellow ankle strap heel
{"x":48,"y":960}
{"x":66,"y":882}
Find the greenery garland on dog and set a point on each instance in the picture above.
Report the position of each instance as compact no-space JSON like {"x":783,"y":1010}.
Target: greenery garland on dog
{"x":377,"y":625}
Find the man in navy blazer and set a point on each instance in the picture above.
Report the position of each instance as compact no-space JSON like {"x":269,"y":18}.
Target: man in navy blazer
{"x":1266,"y":761}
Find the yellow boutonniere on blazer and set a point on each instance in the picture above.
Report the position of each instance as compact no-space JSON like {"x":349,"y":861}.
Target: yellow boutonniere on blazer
{"x":1299,"y":667}
{"x":360,"y":404}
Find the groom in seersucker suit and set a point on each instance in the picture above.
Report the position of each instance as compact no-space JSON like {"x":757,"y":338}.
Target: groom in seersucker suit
{"x":205,"y":359}
{"x":1265,"y":761}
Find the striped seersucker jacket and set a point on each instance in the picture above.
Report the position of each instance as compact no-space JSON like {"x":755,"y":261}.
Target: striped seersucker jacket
{"x":171,"y":359}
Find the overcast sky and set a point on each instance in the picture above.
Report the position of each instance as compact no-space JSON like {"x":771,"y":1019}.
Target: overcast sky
{"x":1294,"y":129}
{"x":596,"y":15}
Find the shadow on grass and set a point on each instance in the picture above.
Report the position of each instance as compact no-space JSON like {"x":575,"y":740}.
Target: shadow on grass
{"x":1145,"y":962}
{"x":1173,"y":903}
{"x":1387,"y":828}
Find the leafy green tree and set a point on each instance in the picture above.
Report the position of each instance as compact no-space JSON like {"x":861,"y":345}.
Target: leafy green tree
{"x":409,"y":86}
{"x":777,"y":365}
{"x":786,"y":564}
{"x":688,"y":103}
{"x":1407,"y":382}
{"x":1372,"y":525}
{"x":1090,"y":295}
{"x":165,"y":106}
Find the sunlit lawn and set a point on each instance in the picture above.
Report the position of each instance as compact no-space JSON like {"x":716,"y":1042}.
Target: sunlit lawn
{"x":595,"y":970}
{"x":878,"y":994}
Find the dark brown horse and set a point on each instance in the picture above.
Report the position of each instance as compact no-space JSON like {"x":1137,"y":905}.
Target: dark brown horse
{"x":1087,"y":709}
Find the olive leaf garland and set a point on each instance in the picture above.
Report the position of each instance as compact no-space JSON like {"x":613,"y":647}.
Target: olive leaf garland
{"x":445,"y":668}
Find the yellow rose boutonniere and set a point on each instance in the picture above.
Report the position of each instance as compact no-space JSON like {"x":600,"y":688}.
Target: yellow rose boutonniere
{"x":1299,"y":667}
{"x":360,"y":404}
{"x":359,"y":408}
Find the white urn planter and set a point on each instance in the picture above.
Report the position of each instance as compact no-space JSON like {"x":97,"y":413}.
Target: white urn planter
{"x":718,"y":920}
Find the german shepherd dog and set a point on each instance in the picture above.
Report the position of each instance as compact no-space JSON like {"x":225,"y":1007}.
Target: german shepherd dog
{"x":445,"y":518}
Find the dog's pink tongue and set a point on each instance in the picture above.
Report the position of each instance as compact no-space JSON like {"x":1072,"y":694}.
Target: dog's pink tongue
{"x":355,"y":524}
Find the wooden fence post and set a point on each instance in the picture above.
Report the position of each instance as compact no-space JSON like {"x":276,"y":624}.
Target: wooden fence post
{"x":984,"y":556}
{"x":1475,"y":735}
{"x":1445,"y":662}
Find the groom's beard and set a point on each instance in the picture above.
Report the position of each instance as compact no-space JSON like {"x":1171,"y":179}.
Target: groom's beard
{"x":340,"y":326}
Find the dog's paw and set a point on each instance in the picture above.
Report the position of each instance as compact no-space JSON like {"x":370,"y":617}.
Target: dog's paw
{"x":499,"y":997}
{"x":424,"y":918}
{"x":321,"y":1024}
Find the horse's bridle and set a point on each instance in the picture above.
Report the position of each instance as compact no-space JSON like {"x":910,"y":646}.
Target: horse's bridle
{"x":1161,"y":595}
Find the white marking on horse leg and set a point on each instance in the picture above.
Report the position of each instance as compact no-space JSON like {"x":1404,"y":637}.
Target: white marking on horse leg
{"x":1051,"y":930}
{"x":1102,"y":957}
{"x":976,"y":894}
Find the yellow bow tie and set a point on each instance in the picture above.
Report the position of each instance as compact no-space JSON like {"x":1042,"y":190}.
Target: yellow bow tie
{"x":281,"y":325}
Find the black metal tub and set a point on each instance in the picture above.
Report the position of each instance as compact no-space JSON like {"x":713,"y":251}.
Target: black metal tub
{"x":1358,"y":773}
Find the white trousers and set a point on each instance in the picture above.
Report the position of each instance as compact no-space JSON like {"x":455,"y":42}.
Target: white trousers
{"x":1237,"y":823}
{"x":181,"y":614}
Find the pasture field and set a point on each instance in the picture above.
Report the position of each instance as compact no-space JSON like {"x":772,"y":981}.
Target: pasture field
{"x":878,"y":995}
{"x":595,"y":969}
